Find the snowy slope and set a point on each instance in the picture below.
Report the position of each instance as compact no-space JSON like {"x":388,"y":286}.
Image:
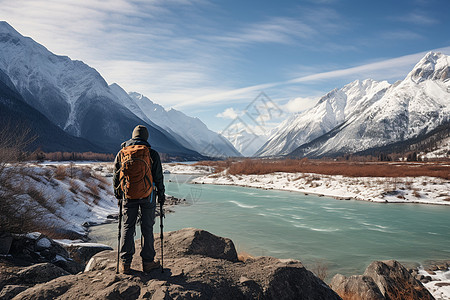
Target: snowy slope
{"x":189,"y":131}
{"x":73,"y":95}
{"x":332,"y":109}
{"x":408,"y":109}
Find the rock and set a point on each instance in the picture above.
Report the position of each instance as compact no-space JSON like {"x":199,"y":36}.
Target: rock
{"x":82,"y":252}
{"x":395,"y":282}
{"x":199,"y":242}
{"x":119,"y":290}
{"x":5,"y":243}
{"x":50,"y":290}
{"x":10,"y":291}
{"x":40,"y":273}
{"x":356,"y":287}
{"x":38,"y":248}
{"x":197,"y":265}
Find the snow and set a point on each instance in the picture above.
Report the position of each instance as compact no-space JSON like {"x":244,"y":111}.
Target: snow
{"x":425,"y":190}
{"x":33,"y":235}
{"x":440,"y":284}
{"x":174,"y":168}
{"x":64,"y":202}
{"x":370,"y":113}
{"x":188,"y":131}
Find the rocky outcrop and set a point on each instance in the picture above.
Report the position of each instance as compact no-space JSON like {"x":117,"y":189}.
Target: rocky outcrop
{"x":38,"y":248}
{"x":356,"y":287}
{"x":381,"y":280}
{"x":197,"y":265}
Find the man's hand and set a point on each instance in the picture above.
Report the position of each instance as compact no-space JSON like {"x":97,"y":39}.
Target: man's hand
{"x":161,"y":198}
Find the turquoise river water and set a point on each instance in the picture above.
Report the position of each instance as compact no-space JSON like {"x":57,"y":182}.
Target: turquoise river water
{"x":345,"y":235}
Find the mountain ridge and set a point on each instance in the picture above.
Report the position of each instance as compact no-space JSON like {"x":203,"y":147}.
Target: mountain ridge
{"x":74,"y":96}
{"x":388,"y":114}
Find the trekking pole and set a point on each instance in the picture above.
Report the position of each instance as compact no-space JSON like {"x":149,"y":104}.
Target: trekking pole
{"x":161,"y":216}
{"x":119,"y":235}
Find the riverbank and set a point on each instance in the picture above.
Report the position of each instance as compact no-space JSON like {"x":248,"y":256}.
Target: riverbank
{"x":423,"y":190}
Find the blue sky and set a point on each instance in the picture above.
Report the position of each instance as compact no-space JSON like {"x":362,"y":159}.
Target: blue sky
{"x":210,"y":59}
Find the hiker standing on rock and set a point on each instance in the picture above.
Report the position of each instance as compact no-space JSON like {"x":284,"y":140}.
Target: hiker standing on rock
{"x":138,"y":177}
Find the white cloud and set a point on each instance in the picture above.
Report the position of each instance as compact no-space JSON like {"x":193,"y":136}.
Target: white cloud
{"x":299,"y":104}
{"x":418,"y":18}
{"x":229,"y":113}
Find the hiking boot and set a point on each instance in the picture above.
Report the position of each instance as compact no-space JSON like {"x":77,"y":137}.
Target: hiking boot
{"x":149,"y":266}
{"x":124,"y":268}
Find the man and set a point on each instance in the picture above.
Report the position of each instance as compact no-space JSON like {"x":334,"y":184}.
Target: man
{"x":147,"y":205}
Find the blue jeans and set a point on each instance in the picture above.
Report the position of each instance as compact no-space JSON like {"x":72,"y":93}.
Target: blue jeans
{"x":130,"y":215}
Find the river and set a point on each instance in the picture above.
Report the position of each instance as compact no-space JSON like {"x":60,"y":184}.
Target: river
{"x":344,"y":235}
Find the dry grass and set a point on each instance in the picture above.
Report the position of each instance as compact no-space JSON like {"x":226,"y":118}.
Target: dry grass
{"x":74,"y":187}
{"x":93,"y":191}
{"x":61,"y":172}
{"x":351,"y":169}
{"x":320,"y":269}
{"x":244,"y":256}
{"x":39,"y":197}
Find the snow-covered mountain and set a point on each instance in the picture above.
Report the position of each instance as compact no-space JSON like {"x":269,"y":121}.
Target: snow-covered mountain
{"x":244,"y":139}
{"x":407,"y":109}
{"x":190,"y":132}
{"x":333,"y":109}
{"x":74,"y":96}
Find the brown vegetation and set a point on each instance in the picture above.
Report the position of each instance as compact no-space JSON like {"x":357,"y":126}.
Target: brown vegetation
{"x":72,"y":156}
{"x":351,"y":169}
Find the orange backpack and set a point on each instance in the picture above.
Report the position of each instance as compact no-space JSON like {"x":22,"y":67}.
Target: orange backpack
{"x":135,"y":175}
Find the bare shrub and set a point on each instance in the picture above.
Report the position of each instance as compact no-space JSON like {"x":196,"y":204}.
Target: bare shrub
{"x":346,"y":168}
{"x":320,"y":269}
{"x":39,"y":197}
{"x":417,"y":194}
{"x":61,"y":200}
{"x":93,"y":188}
{"x":74,"y":187}
{"x":61,"y":172}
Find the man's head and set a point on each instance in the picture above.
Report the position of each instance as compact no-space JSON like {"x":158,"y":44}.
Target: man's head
{"x":140,"y":132}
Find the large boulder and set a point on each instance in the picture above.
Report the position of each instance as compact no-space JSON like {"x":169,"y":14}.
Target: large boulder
{"x":356,"y":287}
{"x":40,"y":273}
{"x":395,"y":282}
{"x":203,"y":266}
{"x":381,"y":280}
{"x":11,"y":290}
{"x":199,"y":242}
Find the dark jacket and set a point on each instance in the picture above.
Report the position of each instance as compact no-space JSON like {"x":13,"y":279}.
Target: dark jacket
{"x":157,"y":172}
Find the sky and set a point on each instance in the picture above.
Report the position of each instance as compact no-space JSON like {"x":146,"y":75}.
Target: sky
{"x":212,"y":59}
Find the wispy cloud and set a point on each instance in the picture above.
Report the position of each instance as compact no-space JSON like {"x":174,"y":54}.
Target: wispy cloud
{"x":418,"y":18}
{"x":274,"y":30}
{"x":388,"y":69}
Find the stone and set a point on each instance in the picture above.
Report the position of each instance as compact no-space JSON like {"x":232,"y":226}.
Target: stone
{"x":5,"y":243}
{"x":197,"y":269}
{"x":82,"y":252}
{"x":40,"y":273}
{"x":199,"y":242}
{"x":50,"y":290}
{"x":356,"y":287}
{"x":10,"y":291}
{"x":395,"y":282}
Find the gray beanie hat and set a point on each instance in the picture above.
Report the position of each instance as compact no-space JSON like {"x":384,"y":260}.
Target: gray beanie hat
{"x":140,"y":132}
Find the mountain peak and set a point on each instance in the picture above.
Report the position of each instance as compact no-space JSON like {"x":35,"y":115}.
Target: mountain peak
{"x":434,"y":66}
